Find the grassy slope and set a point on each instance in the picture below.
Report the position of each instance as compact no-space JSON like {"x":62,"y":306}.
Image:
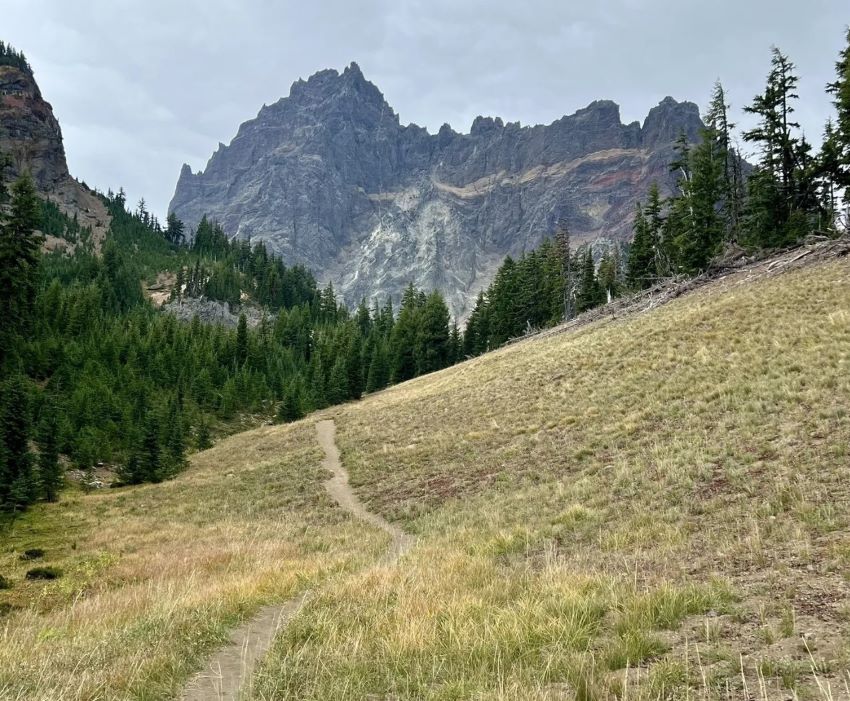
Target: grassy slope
{"x":155,"y":576}
{"x":627,"y":508}
{"x":663,"y":495}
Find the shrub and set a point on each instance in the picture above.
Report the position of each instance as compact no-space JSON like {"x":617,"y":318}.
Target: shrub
{"x":33,"y":554}
{"x":44,"y":573}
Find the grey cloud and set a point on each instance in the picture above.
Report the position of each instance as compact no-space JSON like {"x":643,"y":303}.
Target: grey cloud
{"x":141,"y":87}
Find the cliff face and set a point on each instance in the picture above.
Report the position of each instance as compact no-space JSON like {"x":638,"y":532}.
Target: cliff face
{"x":31,"y":137}
{"x":29,"y":133}
{"x":328,"y":177}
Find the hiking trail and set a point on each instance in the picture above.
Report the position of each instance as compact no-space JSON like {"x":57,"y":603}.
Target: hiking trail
{"x":231,"y":667}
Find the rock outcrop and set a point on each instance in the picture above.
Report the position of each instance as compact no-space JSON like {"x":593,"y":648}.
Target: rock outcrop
{"x":328,"y":177}
{"x":30,"y":136}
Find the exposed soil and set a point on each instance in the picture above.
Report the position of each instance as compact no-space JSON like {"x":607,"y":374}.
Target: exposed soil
{"x":228,"y":669}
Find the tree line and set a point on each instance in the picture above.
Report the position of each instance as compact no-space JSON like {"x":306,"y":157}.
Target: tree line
{"x":789,"y":193}
{"x":719,"y":200}
{"x":94,"y":373}
{"x":9,"y":56}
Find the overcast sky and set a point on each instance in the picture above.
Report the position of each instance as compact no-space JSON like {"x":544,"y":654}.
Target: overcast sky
{"x":141,"y":87}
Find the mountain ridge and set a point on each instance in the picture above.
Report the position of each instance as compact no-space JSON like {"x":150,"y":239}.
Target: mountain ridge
{"x":329,"y":177}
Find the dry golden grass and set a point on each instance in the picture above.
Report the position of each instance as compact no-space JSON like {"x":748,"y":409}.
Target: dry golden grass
{"x":155,"y":576}
{"x":647,"y":508}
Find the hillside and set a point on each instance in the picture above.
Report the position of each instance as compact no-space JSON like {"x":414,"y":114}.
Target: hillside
{"x":649,"y":506}
{"x":328,"y":177}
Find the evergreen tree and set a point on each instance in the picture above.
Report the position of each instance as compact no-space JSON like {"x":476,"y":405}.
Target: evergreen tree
{"x":338,"y":382}
{"x":150,"y":455}
{"x":641,"y":266}
{"x":203,"y":440}
{"x":778,"y":202}
{"x":17,"y":483}
{"x":432,"y":335}
{"x":589,"y":294}
{"x":608,"y":275}
{"x":242,"y":340}
{"x":840,"y":141}
{"x":379,"y":372}
{"x":403,"y":338}
{"x":47,"y":438}
{"x":291,"y":409}
{"x":455,"y":345}
{"x":563,"y":255}
{"x":176,"y":436}
{"x":19,"y":258}
{"x":174,"y":229}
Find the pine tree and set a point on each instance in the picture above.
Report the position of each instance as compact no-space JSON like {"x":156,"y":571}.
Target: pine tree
{"x":151,"y":451}
{"x":641,"y":264}
{"x":476,"y":338}
{"x":778,"y":204}
{"x":432,"y":335}
{"x":19,"y":258}
{"x":563,"y":255}
{"x":17,"y":483}
{"x":47,"y":438}
{"x":176,"y":436}
{"x":695,"y":227}
{"x":291,"y":408}
{"x":455,"y":345}
{"x":353,"y":352}
{"x":174,"y":229}
{"x":241,"y":340}
{"x":203,"y":440}
{"x":589,"y":293}
{"x":608,"y":276}
{"x":338,"y":382}
{"x":655,"y":222}
{"x":379,"y":373}
{"x":403,"y":338}
{"x":840,"y":90}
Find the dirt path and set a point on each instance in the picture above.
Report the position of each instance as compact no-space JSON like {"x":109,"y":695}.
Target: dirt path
{"x":230,"y":667}
{"x":340,"y":490}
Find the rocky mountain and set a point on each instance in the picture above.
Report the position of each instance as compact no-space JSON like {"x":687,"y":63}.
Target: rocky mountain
{"x":329,"y":177}
{"x":30,"y":136}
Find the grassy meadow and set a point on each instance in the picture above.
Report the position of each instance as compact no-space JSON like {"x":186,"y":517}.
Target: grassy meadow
{"x":648,"y":508}
{"x":652,"y":507}
{"x":155,"y":576}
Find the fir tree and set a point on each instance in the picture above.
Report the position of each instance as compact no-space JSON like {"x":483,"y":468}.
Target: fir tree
{"x":589,"y":294}
{"x":19,"y":259}
{"x":641,"y":266}
{"x":840,"y":141}
{"x":203,"y":440}
{"x":242,"y":340}
{"x":47,"y":438}
{"x":291,"y":409}
{"x":403,"y":339}
{"x":432,"y":335}
{"x":17,"y":483}
{"x":338,"y":382}
{"x":378,"y":375}
{"x":150,"y":455}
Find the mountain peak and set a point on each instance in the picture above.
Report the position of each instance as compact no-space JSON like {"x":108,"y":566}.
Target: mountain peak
{"x":670,"y":118}
{"x":329,"y":178}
